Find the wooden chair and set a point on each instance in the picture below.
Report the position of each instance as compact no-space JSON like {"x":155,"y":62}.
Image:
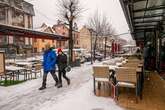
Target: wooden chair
{"x":126,"y":77}
{"x":101,"y":74}
{"x":37,"y":69}
{"x":131,"y":64}
{"x":28,"y":72}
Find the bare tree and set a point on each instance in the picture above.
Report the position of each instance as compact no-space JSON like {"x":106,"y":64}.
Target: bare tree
{"x":101,"y":27}
{"x":109,"y":31}
{"x":69,"y":11}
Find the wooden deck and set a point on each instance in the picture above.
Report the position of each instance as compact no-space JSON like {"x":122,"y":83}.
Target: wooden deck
{"x":153,"y":95}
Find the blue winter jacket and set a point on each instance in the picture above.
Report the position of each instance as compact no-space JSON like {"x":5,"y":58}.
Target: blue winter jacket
{"x":49,"y":60}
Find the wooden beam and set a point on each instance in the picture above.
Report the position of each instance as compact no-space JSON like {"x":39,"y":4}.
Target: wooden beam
{"x":150,"y":8}
{"x":138,"y":1}
{"x":146,"y":28}
{"x":145,"y":25}
{"x":150,"y":16}
{"x":148,"y":21}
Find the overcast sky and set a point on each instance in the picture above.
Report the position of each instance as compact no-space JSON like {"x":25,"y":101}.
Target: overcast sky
{"x":46,"y":11}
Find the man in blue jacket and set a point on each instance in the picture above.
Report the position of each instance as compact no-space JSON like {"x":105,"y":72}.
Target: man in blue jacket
{"x":49,"y":65}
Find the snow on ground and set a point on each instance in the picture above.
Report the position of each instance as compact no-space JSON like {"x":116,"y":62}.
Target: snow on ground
{"x":77,"y":96}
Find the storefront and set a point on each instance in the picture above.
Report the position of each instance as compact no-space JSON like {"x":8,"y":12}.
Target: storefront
{"x":146,"y":21}
{"x":6,"y":30}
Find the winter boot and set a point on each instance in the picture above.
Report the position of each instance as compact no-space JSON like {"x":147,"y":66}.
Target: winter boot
{"x":68,"y":81}
{"x":56,"y":84}
{"x":42,"y":88}
{"x":44,"y":82}
{"x":59,"y":85}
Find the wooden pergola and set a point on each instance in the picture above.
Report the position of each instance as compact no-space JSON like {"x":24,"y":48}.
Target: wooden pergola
{"x":146,"y":20}
{"x":23,"y":32}
{"x":144,"y":16}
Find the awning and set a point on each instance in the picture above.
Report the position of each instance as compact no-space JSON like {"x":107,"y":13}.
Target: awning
{"x":23,"y":32}
{"x":128,"y":46}
{"x":144,"y":15}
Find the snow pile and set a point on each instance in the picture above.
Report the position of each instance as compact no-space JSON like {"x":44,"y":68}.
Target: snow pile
{"x":82,"y":99}
{"x":78,"y":96}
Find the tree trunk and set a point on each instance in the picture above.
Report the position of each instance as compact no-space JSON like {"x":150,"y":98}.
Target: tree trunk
{"x":70,"y":43}
{"x":105,"y":48}
{"x":94,"y":49}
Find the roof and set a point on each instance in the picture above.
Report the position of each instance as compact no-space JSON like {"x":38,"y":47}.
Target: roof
{"x":144,"y":15}
{"x":45,"y":28}
{"x":23,"y":32}
{"x":20,"y":5}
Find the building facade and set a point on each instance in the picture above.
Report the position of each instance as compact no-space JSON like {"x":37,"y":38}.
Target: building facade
{"x":16,"y":13}
{"x":85,"y":38}
{"x":61,"y":29}
{"x":39,"y":45}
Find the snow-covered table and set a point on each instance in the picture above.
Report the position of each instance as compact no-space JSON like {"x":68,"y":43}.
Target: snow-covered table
{"x":16,"y":71}
{"x":24,"y":64}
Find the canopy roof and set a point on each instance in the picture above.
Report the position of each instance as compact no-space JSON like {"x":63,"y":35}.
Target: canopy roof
{"x":23,"y":32}
{"x":144,"y":15}
{"x":128,"y":45}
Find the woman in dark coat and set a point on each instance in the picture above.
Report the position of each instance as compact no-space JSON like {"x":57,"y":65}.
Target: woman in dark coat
{"x":62,"y":64}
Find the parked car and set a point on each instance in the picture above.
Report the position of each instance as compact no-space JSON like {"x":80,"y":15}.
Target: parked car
{"x":87,"y":57}
{"x":99,"y":56}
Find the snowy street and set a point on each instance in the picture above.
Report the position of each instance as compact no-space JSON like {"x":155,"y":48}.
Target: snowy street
{"x":77,"y":96}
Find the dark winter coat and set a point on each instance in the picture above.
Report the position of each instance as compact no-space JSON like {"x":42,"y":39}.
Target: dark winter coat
{"x":62,"y":61}
{"x":49,"y":60}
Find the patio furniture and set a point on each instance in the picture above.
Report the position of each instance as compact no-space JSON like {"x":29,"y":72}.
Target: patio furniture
{"x":23,"y":64}
{"x":37,"y":69}
{"x":28,"y":72}
{"x":101,"y":74}
{"x":17,"y":71}
{"x":127,"y":77}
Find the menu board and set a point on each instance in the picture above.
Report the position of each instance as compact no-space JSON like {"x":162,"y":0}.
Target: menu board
{"x":2,"y":63}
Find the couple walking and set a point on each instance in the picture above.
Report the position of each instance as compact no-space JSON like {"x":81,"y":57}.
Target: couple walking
{"x":50,"y":59}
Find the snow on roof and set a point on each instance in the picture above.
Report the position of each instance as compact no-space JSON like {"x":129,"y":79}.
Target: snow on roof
{"x":44,"y":28}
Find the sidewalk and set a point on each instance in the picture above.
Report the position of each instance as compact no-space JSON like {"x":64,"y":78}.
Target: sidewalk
{"x":153,"y":95}
{"x":78,"y":96}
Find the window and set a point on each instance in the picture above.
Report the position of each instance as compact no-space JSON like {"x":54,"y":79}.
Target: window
{"x":35,"y":50}
{"x":29,"y":22}
{"x":3,"y":39}
{"x":18,"y":4}
{"x":35,"y":40}
{"x":18,"y":18}
{"x":63,"y":33}
{"x":43,"y":49}
{"x":2,"y":15}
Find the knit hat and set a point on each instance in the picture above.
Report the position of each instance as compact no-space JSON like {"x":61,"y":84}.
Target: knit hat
{"x":59,"y":50}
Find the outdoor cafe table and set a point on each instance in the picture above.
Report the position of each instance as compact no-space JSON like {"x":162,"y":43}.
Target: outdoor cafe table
{"x":16,"y":71}
{"x":24,"y":63}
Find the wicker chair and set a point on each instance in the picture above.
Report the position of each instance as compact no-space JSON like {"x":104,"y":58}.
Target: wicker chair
{"x":101,"y":74}
{"x":37,"y":69}
{"x":126,"y":77}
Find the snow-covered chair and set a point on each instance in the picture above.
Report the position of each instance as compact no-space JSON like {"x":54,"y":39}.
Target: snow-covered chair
{"x":127,"y":77}
{"x":101,"y":74}
{"x":37,"y":69}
